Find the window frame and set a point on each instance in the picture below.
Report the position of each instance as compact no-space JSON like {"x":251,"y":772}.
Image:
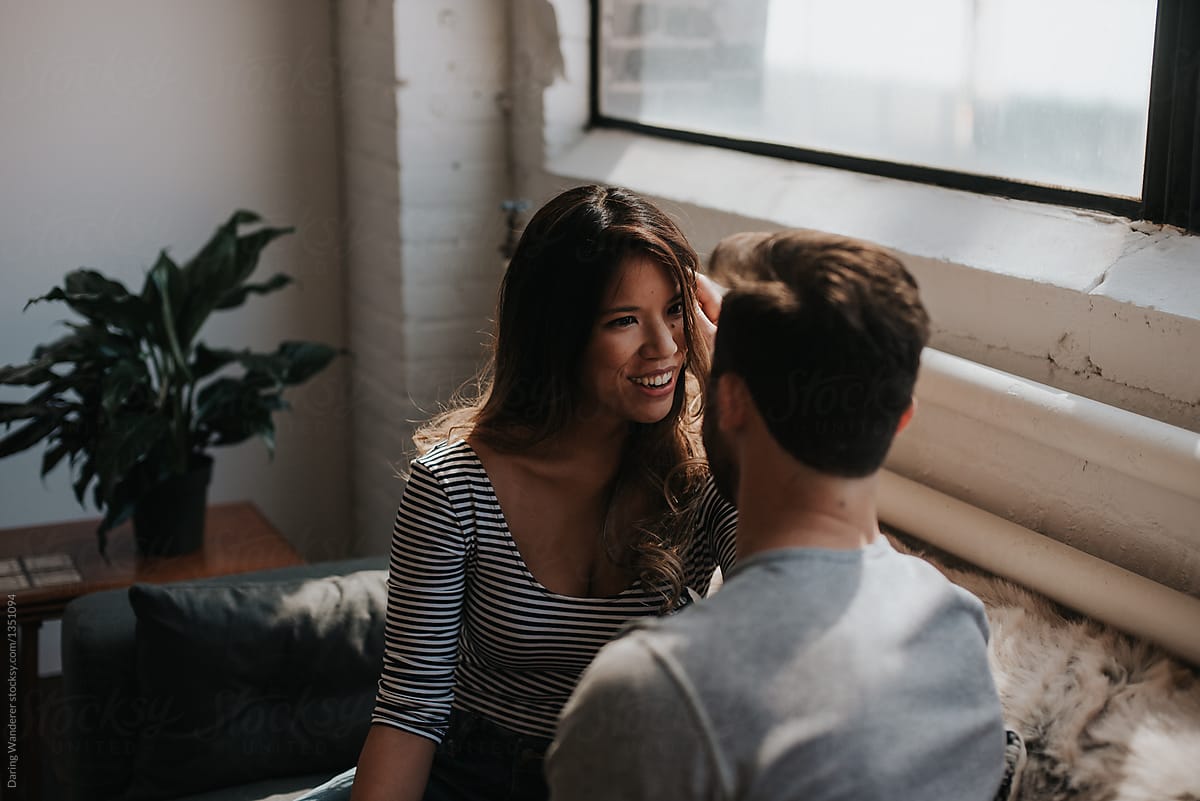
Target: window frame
{"x":1171,"y":172}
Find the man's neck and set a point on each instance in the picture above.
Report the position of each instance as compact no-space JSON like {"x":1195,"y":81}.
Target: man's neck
{"x":783,"y":504}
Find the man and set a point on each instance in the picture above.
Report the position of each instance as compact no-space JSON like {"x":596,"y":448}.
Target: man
{"x":829,"y":666}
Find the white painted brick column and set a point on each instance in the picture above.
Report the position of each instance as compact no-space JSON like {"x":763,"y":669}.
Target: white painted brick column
{"x":425,"y":164}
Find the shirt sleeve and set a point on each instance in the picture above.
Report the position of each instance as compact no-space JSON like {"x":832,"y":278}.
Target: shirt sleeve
{"x":628,"y":733}
{"x":718,"y":525}
{"x":426,"y":584}
{"x":975,"y":608}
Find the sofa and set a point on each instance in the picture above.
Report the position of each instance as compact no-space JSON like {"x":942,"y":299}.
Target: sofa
{"x":240,"y":688}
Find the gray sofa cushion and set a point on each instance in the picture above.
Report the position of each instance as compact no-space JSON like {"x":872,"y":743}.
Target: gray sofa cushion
{"x":242,"y":682}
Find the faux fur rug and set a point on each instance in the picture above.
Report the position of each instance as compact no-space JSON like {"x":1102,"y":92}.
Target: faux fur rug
{"x":1105,"y":717}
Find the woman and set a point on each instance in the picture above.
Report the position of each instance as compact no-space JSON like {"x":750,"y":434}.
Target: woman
{"x":577,"y":501}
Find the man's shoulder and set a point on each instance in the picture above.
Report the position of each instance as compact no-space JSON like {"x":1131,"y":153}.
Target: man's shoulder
{"x":932,"y":582}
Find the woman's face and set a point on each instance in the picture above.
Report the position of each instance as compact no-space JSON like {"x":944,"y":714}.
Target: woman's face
{"x":636,"y":353}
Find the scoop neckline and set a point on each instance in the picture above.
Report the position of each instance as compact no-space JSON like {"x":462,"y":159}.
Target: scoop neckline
{"x":635,"y":587}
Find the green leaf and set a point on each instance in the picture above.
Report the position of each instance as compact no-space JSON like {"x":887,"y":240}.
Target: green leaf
{"x":123,"y":444}
{"x":28,"y":435}
{"x":291,"y":363}
{"x":120,"y":385}
{"x":87,"y":342}
{"x":263,"y":370}
{"x":84,"y":477}
{"x":169,"y":286}
{"x":21,"y":411}
{"x":303,"y":360}
{"x":207,"y":361}
{"x":237,"y":296}
{"x":68,"y":348}
{"x":54,"y":294}
{"x":99,"y":299}
{"x":220,"y":267}
{"x":53,"y":456}
{"x":114,"y":515}
{"x":84,"y":282}
{"x":229,"y":411}
{"x":249,"y":248}
{"x":31,"y":374}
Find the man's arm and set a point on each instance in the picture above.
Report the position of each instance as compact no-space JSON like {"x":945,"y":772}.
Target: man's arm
{"x":629,"y":733}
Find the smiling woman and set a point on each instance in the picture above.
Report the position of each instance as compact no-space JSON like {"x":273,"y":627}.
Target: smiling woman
{"x":566,"y":500}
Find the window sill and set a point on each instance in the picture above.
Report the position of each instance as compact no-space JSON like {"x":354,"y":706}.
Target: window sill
{"x":1085,"y":301}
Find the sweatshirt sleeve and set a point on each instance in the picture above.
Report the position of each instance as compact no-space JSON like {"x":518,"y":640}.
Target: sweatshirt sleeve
{"x":426,"y":584}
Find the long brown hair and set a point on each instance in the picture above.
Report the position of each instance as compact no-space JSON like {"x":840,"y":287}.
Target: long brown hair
{"x":564,"y":262}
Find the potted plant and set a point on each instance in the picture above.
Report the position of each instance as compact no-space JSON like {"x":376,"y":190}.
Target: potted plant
{"x":134,"y":401}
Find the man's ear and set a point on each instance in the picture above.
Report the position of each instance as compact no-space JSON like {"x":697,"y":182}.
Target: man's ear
{"x":732,"y":399}
{"x":907,"y":416}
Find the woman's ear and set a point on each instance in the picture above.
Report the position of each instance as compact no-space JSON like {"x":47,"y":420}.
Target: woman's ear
{"x":907,"y":416}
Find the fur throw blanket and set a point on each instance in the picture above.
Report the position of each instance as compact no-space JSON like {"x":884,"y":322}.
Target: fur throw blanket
{"x":1105,"y":717}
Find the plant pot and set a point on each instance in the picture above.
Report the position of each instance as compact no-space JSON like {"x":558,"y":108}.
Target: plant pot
{"x":169,"y":519}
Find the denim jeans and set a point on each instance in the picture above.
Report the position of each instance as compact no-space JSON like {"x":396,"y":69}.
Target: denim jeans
{"x":477,"y":761}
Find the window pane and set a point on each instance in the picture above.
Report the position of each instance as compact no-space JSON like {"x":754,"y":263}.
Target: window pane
{"x":1051,"y":92}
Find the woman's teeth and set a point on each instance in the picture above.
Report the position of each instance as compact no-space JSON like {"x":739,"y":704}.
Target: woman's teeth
{"x":654,"y":380}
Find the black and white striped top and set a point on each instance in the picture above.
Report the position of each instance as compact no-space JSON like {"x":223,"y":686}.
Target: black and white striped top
{"x":467,"y":623}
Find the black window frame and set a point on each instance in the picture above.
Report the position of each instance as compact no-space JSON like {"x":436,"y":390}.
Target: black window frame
{"x":1171,"y":176}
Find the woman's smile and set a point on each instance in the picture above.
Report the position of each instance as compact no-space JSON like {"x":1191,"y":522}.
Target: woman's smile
{"x":658,"y":383}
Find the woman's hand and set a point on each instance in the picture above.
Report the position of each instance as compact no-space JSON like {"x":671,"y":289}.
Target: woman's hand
{"x":708,"y":296}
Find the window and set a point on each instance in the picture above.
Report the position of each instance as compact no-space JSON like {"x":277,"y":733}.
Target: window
{"x":1065,"y":101}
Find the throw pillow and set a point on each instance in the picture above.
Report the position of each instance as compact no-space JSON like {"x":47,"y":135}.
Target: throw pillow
{"x":241,"y":682}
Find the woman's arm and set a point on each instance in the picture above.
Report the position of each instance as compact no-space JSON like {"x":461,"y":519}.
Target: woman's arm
{"x":393,"y":766}
{"x":426,"y":587}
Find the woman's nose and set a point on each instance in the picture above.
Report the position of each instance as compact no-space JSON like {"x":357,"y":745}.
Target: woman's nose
{"x":660,"y":341}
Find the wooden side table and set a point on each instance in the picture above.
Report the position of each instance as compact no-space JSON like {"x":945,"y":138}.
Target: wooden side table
{"x":237,"y":539}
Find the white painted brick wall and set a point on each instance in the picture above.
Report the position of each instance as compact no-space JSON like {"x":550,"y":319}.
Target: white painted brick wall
{"x":425,"y":166}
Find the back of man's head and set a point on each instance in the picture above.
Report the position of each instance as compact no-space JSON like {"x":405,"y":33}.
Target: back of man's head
{"x":827,"y":334}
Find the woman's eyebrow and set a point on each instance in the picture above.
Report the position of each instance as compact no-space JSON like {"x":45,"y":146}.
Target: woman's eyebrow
{"x":615,"y":309}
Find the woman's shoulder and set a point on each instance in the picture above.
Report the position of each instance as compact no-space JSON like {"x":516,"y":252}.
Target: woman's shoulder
{"x":448,"y":462}
{"x":448,"y":453}
{"x":710,"y":498}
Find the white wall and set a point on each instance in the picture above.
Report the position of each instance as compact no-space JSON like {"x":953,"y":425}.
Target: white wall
{"x":132,"y":125}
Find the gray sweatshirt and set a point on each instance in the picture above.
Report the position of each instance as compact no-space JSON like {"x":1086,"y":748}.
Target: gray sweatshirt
{"x":814,"y":674}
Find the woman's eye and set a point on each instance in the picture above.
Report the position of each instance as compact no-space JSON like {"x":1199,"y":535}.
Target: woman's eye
{"x":675,"y":309}
{"x":622,"y":322}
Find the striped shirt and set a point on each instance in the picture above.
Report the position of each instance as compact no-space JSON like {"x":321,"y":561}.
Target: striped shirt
{"x":469,"y":626}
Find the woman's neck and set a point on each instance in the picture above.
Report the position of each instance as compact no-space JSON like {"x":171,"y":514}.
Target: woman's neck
{"x":585,"y":450}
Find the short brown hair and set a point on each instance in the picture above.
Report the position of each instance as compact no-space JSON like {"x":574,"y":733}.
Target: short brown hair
{"x":827,"y":333}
